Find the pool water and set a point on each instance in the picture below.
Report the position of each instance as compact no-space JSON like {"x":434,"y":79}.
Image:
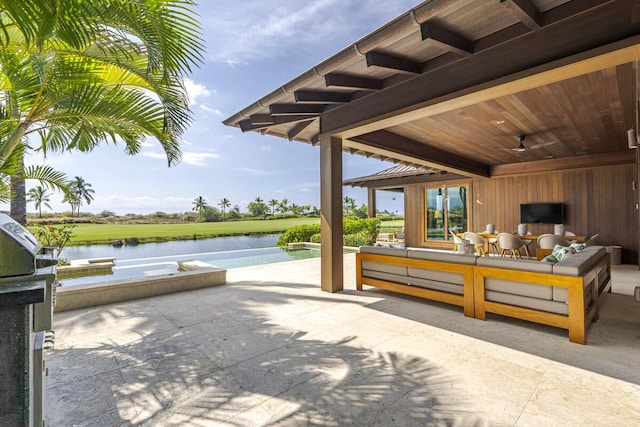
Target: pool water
{"x":140,"y":267}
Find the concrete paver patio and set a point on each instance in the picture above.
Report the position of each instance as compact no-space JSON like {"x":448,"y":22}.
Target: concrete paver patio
{"x":269,"y":348}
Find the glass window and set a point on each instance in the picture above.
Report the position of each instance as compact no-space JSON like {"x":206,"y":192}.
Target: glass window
{"x":446,"y":209}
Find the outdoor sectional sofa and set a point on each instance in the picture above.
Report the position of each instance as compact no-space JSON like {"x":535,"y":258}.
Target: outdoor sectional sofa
{"x":564,"y":294}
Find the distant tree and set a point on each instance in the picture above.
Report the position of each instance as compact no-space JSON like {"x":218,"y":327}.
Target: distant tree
{"x":210,"y":214}
{"x":198,"y":205}
{"x":362,"y":211}
{"x":349,"y":206}
{"x":106,"y":213}
{"x":283,"y":206}
{"x":39,"y":196}
{"x":234,"y":213}
{"x":72,"y":199}
{"x":224,"y":204}
{"x":82,"y":191}
{"x":258,"y":208}
{"x":273,"y":204}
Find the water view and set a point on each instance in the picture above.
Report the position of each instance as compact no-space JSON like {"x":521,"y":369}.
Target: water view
{"x":152,"y":259}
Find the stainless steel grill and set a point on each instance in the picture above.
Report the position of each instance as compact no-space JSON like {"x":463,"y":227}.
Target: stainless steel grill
{"x":27,"y":297}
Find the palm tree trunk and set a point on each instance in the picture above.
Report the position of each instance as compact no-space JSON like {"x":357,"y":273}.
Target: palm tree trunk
{"x":18,"y":200}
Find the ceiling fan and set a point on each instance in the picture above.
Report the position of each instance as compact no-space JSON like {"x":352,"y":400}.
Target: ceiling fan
{"x":521,"y":148}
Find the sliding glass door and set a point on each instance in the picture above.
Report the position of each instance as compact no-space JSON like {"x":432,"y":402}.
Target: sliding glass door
{"x":446,"y":210}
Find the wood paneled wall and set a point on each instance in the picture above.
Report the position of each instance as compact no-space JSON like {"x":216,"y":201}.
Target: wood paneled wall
{"x":599,"y":200}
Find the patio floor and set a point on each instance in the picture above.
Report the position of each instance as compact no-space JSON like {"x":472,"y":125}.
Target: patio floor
{"x":269,"y":348}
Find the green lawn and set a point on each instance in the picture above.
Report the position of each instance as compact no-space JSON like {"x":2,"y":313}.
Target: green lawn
{"x":106,"y":233}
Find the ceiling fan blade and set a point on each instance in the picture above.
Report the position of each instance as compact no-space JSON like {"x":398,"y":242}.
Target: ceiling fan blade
{"x":544,"y":144}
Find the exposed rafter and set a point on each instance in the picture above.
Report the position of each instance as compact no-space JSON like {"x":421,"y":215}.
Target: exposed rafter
{"x":388,"y":142}
{"x":298,"y":128}
{"x":261,"y":119}
{"x":446,"y":39}
{"x":296,"y":109}
{"x":355,"y":82}
{"x":393,"y":62}
{"x":247,"y":125}
{"x":526,"y":12}
{"x":321,"y":97}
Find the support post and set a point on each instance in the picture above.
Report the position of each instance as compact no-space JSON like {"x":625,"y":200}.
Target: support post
{"x":371,"y":202}
{"x":331,"y":258}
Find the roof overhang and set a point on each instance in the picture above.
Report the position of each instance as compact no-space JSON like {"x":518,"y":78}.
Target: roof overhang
{"x":451,"y":84}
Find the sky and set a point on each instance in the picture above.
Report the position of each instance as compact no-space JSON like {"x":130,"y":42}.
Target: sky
{"x":252,"y":48}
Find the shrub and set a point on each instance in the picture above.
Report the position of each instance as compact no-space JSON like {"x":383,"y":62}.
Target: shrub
{"x":299,"y":233}
{"x":315,"y":238}
{"x":358,"y":239}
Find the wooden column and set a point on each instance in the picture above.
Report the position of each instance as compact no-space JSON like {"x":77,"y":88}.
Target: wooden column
{"x":331,"y":275}
{"x":371,"y":202}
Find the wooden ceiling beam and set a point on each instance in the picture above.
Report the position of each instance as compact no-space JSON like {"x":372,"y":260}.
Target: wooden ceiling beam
{"x":261,"y":119}
{"x":352,"y":81}
{"x":571,"y":10}
{"x":526,"y":12}
{"x":321,"y":97}
{"x":296,"y":109}
{"x":552,"y":165}
{"x":298,"y":128}
{"x":446,"y":39}
{"x":393,"y":62}
{"x":246,"y":125}
{"x":388,"y":144}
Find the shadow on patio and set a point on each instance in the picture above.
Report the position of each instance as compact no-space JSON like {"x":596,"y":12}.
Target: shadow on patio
{"x":265,"y":352}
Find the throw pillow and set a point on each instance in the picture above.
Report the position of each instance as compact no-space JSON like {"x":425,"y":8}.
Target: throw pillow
{"x":561,"y":252}
{"x":549,"y":258}
{"x":577,"y":246}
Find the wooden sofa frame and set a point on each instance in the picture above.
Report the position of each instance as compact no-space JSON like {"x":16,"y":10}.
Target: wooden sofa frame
{"x":473,"y":299}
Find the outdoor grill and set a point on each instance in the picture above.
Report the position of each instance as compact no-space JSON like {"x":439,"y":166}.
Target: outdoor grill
{"x":27,"y":298}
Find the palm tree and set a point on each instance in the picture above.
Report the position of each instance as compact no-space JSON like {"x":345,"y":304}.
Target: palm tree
{"x":91,"y":72}
{"x":39,"y":196}
{"x":283,"y":206}
{"x":72,"y":199}
{"x":224,"y":204}
{"x":198,"y":205}
{"x":273,"y":203}
{"x":82,"y":191}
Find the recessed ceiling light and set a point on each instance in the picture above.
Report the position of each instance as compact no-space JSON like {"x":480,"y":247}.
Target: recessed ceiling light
{"x":500,"y":122}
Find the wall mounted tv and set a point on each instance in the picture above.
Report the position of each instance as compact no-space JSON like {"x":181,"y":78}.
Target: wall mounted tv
{"x":541,"y":213}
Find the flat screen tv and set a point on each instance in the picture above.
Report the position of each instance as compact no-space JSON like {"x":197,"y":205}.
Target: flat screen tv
{"x":541,"y":213}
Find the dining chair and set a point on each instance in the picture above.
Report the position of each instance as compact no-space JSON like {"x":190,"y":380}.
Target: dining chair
{"x":511,"y":244}
{"x":549,"y":241}
{"x":478,"y":241}
{"x":590,"y":241}
{"x":457,"y":241}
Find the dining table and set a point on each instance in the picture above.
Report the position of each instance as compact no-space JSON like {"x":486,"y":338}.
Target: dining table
{"x":487,"y":236}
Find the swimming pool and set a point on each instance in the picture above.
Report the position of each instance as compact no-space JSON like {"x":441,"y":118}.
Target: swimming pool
{"x":140,"y":267}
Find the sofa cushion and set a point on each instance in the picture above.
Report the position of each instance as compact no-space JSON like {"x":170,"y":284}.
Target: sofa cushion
{"x":440,"y":276}
{"x":531,"y":290}
{"x":436,"y":285}
{"x":428,"y":254}
{"x":528,"y":302}
{"x":578,"y":264}
{"x":515,"y":264}
{"x":385,"y":268}
{"x":390,"y":277}
{"x":400,"y":252}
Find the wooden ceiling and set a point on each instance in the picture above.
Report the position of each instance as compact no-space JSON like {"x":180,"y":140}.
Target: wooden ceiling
{"x":453,"y":83}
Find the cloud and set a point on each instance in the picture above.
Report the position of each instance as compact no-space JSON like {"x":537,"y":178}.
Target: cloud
{"x":211,"y":110}
{"x":197,"y":159}
{"x":241,"y":32}
{"x":195,"y":91}
{"x":188,"y":157}
{"x":308,"y":186}
{"x":256,"y":172}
